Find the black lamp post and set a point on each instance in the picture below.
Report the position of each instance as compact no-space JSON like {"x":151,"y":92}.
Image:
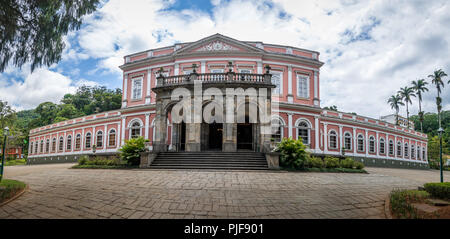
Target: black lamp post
{"x":5,"y":133}
{"x":440,"y":132}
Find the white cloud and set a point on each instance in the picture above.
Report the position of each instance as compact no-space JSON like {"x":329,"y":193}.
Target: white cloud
{"x":40,"y":86}
{"x":395,"y":42}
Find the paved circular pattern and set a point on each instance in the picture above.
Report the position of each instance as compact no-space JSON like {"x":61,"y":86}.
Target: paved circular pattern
{"x":55,"y":191}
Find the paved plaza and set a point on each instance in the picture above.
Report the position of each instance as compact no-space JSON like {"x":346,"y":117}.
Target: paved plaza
{"x":56,"y":191}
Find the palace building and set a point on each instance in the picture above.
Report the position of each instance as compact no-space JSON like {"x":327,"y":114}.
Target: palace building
{"x":218,"y":96}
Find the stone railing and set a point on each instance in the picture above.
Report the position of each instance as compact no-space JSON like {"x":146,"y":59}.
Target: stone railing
{"x":232,"y":77}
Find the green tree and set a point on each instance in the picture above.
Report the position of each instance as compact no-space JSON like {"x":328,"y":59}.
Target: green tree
{"x":292,"y":153}
{"x":47,"y":113}
{"x":433,"y":152}
{"x":436,"y":78}
{"x":419,"y":86}
{"x":131,"y":149}
{"x":33,"y":30}
{"x":395,"y":102}
{"x":406,"y":93}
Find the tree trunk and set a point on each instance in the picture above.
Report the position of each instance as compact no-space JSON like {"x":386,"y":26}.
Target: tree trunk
{"x":407,"y":116}
{"x":421,"y":117}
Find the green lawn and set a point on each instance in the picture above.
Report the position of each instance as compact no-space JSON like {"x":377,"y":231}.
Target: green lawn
{"x":15,"y":162}
{"x":9,"y":188}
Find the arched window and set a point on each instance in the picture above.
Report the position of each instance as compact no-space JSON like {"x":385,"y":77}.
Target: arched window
{"x":87,"y":141}
{"x":382,"y":146}
{"x":277,"y":130}
{"x":37,"y":147}
{"x":413,"y":151}
{"x":99,"y":140}
{"x":47,"y":145}
{"x":78,"y":142}
{"x":371,"y":144}
{"x":399,"y":149}
{"x":406,"y":149}
{"x":418,"y":152}
{"x":54,"y":145}
{"x":423,"y":154}
{"x":303,"y":131}
{"x":333,"y":139}
{"x":360,"y":143}
{"x":391,"y":147}
{"x":348,"y":141}
{"x":112,"y":138}
{"x":69,"y":142}
{"x":61,"y":143}
{"x":31,"y":147}
{"x":135,"y":130}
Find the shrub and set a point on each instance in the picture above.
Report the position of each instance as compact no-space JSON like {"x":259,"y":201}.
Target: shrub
{"x":83,"y":160}
{"x":401,"y":202}
{"x":316,"y":162}
{"x":331,"y":162}
{"x":358,"y":165}
{"x":347,"y":163}
{"x":131,"y":149}
{"x":292,"y":153}
{"x":438,"y":190}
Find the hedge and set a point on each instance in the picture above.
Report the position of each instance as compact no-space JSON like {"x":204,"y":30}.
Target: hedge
{"x":438,"y":190}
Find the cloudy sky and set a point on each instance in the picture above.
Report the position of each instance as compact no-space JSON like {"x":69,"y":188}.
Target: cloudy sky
{"x":370,"y":48}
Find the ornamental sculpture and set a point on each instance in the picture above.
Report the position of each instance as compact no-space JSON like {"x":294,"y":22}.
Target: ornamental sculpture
{"x":218,"y":46}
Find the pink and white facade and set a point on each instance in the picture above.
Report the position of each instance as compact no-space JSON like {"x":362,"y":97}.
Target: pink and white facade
{"x":295,"y":74}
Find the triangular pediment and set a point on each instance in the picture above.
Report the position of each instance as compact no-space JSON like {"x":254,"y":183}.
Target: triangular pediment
{"x":217,"y":43}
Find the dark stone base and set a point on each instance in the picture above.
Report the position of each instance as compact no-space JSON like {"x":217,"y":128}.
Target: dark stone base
{"x":73,"y":158}
{"x":389,"y":163}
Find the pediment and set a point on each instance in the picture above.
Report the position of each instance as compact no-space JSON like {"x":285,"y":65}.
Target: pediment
{"x":217,"y":43}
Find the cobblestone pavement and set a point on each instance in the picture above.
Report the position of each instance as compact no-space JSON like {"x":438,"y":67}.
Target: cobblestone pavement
{"x":55,"y":191}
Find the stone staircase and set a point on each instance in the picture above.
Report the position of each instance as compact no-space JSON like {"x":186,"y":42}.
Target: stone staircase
{"x":210,"y":160}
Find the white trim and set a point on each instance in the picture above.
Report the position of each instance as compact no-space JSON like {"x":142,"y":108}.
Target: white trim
{"x":297,"y":122}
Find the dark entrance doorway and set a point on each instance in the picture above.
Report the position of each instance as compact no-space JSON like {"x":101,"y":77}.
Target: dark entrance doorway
{"x":215,"y":136}
{"x":245,"y":136}
{"x":182,"y":134}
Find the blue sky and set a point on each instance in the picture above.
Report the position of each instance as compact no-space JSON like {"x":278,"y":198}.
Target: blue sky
{"x":371,"y":48}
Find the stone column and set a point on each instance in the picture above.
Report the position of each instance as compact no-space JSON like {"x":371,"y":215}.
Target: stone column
{"x":193,"y":133}
{"x":316,"y":133}
{"x":160,"y":128}
{"x":147,"y":119}
{"x":325,"y":138}
{"x":290,"y":125}
{"x":229,"y":142}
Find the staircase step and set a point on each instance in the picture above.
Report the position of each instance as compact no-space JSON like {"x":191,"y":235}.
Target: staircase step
{"x":210,"y":160}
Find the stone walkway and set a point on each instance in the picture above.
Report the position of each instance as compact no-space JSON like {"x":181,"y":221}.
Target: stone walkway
{"x":55,"y":191}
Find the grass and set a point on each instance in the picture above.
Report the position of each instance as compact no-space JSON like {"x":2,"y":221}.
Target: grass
{"x":401,"y":201}
{"x":105,"y":166}
{"x":9,"y":188}
{"x":328,"y":170}
{"x":15,"y":162}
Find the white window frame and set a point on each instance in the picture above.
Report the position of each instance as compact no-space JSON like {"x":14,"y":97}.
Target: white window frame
{"x":399,"y":149}
{"x":393,"y":147}
{"x":406,"y":149}
{"x":329,"y":139}
{"x":348,"y":135}
{"x":133,"y":86}
{"x":281,"y":126}
{"x":382,"y":141}
{"x":280,"y":73}
{"x":69,"y":142}
{"x":85,"y":140}
{"x":61,"y":145}
{"x":96,"y":139}
{"x":130,"y":124}
{"x":357,"y":143}
{"x":308,"y":79}
{"x":308,"y":130}
{"x":115,"y":137}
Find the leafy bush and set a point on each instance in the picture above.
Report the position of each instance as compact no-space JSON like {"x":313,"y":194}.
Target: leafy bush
{"x":83,"y":160}
{"x":358,"y":165}
{"x":438,"y":190}
{"x":331,"y":162}
{"x":292,"y":153}
{"x":315,"y":162}
{"x":401,"y":201}
{"x":347,"y":163}
{"x":131,"y":149}
{"x":9,"y":188}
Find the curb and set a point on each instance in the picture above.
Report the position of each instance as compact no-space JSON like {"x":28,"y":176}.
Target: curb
{"x":14,"y":197}
{"x":387,"y":208}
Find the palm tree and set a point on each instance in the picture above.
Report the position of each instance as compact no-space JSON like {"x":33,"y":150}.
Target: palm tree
{"x":436,"y":78}
{"x":406,"y":93}
{"x":395,"y":101}
{"x":420,"y":86}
